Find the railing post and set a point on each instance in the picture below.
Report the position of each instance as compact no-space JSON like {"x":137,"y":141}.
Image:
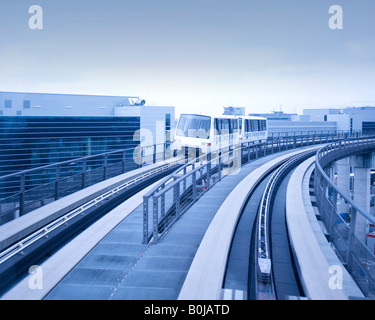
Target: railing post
{"x":155,"y":219}
{"x":184,"y":181}
{"x":145,"y":220}
{"x":333,"y":214}
{"x":84,"y":174}
{"x":154,"y":154}
{"x":208,"y":174}
{"x":194,"y":184}
{"x":22,"y":194}
{"x":353,"y":221}
{"x":140,"y":158}
{"x":162,"y":205}
{"x":248,"y":154}
{"x":123,"y":161}
{"x":57,"y":183}
{"x":105,"y":167}
{"x":176,"y":196}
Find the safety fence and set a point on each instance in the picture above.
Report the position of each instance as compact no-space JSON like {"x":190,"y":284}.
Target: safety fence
{"x":170,"y":199}
{"x":25,"y":191}
{"x":345,"y":229}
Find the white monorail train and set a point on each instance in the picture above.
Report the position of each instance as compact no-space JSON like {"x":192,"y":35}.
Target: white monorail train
{"x":215,"y":133}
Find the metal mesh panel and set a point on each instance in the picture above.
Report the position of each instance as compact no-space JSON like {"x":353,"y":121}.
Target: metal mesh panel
{"x":359,"y":260}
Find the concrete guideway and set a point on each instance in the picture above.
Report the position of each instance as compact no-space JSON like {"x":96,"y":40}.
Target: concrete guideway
{"x":205,"y":270}
{"x":146,"y":271}
{"x":316,"y":262}
{"x":205,"y":277}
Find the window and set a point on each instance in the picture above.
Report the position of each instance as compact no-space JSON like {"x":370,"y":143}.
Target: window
{"x":240,"y":123}
{"x":167,"y":121}
{"x":256,"y":125}
{"x":262,"y":125}
{"x":8,"y":104}
{"x":194,"y":126}
{"x":247,"y":125}
{"x":26,"y":104}
{"x":224,"y":128}
{"x":167,"y":129}
{"x":217,"y":126}
{"x":234,"y":125}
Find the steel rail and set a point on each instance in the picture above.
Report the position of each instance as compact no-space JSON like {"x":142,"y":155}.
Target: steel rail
{"x":264,"y":283}
{"x":44,"y":231}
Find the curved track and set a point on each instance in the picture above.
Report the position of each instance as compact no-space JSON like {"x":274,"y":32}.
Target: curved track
{"x":260,"y":263}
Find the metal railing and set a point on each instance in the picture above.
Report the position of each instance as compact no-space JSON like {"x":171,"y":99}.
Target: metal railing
{"x":25,"y":191}
{"x":347,"y":240}
{"x":343,"y":133}
{"x":170,"y":199}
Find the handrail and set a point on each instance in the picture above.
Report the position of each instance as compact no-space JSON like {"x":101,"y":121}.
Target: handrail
{"x":61,"y":163}
{"x":319,"y":156}
{"x":27,"y":190}
{"x":348,"y":242}
{"x":166,"y":205}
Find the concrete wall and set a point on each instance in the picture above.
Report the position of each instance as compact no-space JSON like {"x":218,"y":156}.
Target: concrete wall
{"x":318,"y":114}
{"x":342,"y":120}
{"x":153,"y":120}
{"x":360,"y":115}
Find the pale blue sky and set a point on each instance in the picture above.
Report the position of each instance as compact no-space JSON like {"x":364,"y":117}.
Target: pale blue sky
{"x":196,"y":55}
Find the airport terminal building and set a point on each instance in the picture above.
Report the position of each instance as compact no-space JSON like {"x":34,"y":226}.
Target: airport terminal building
{"x":37,"y":129}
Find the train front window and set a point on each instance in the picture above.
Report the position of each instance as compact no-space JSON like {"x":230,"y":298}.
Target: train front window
{"x":194,"y":126}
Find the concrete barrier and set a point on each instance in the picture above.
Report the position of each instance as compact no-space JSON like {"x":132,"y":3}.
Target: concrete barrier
{"x":323,"y":277}
{"x":205,"y":277}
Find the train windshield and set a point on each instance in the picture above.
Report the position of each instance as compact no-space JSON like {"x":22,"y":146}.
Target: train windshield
{"x":194,"y":126}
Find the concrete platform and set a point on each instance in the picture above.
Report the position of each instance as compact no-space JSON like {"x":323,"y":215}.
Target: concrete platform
{"x":313,"y":254}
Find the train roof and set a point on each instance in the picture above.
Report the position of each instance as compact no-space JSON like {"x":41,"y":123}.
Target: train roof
{"x":253,"y":117}
{"x":211,"y":115}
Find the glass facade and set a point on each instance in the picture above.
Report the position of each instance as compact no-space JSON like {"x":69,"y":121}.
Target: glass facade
{"x":368,"y":127}
{"x":30,"y":142}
